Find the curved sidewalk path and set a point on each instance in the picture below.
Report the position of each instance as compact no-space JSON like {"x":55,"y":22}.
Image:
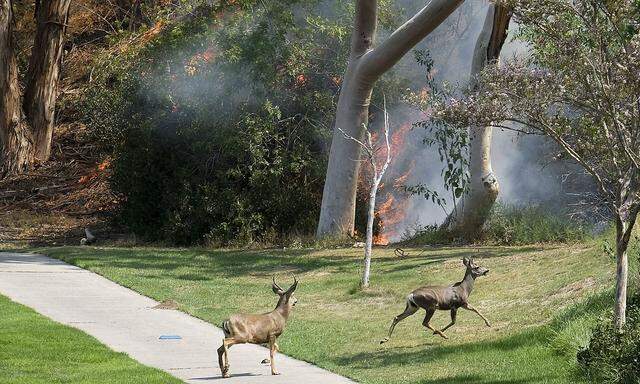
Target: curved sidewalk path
{"x":126,"y":321}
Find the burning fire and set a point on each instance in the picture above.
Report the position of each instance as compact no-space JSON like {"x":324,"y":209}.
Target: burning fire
{"x":301,"y":80}
{"x":199,"y":60}
{"x":392,"y":206}
{"x":99,"y":169}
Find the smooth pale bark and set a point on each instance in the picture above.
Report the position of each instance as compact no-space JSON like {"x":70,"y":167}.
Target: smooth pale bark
{"x":365,"y":67}
{"x":44,"y":72}
{"x":368,"y":247}
{"x":15,"y":137}
{"x":627,"y":213}
{"x":623,"y":234}
{"x":471,"y":213}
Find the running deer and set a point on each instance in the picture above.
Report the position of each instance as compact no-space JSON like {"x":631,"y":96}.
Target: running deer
{"x":258,"y":329}
{"x":444,"y":298}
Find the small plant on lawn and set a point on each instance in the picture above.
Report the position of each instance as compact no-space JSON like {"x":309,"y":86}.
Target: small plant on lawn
{"x":613,"y":356}
{"x":377,"y":174}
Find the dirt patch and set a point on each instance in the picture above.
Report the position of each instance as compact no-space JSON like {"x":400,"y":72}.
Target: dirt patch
{"x":574,"y":289}
{"x":167,"y":304}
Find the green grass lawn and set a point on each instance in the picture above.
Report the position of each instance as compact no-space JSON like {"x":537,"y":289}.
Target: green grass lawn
{"x":34,"y":349}
{"x":535,"y":296}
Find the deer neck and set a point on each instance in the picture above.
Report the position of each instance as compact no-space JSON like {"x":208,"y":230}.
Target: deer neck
{"x":282,"y":308}
{"x":467,"y":283}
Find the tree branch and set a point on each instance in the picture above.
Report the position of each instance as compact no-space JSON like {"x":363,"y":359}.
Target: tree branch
{"x":386,"y":55}
{"x":365,"y":25}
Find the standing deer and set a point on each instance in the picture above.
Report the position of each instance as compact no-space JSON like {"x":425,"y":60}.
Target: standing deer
{"x":258,"y":329}
{"x":444,"y":298}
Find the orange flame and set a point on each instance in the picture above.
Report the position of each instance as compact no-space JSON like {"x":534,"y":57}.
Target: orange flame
{"x":301,"y":80}
{"x":393,"y":207}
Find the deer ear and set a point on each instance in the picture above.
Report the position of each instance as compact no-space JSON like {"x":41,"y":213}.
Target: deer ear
{"x":465,"y":261}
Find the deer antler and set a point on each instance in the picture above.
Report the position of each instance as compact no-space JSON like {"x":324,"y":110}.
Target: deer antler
{"x":294,"y":286}
{"x":276,"y":287}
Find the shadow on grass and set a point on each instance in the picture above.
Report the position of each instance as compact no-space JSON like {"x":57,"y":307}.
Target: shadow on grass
{"x":475,"y":379}
{"x":203,"y":264}
{"x":486,"y":352}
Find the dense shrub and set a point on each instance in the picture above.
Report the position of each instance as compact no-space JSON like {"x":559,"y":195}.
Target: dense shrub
{"x":612,"y":356}
{"x":219,"y":123}
{"x":513,"y":225}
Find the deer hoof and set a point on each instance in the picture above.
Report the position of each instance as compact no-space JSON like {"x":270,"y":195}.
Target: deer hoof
{"x":384,"y":340}
{"x":225,"y":372}
{"x":275,"y":373}
{"x":488,"y":325}
{"x":265,"y":361}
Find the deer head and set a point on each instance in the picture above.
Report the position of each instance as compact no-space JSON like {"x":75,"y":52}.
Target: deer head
{"x":287,"y":301}
{"x":473,"y":269}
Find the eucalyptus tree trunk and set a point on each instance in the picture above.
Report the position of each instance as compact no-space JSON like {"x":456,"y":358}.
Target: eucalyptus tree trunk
{"x":471,"y":213}
{"x":15,"y":137}
{"x":44,"y":72}
{"x":366,"y":65}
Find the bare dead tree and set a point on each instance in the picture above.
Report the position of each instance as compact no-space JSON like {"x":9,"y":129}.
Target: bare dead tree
{"x":377,"y":174}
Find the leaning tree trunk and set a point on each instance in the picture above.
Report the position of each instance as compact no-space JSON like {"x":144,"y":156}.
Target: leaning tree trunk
{"x":470,"y":215}
{"x":44,"y":72}
{"x":15,"y":137}
{"x":366,"y":65}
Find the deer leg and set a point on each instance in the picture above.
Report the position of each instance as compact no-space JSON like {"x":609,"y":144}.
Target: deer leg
{"x":273,"y":347}
{"x":472,"y":309}
{"x":427,"y":319}
{"x":221,"y":363}
{"x":409,"y":310}
{"x":268,"y":361}
{"x":224,"y":365}
{"x":454,"y":312}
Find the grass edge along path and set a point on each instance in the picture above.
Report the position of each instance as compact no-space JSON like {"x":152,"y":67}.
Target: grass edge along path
{"x":35,"y":349}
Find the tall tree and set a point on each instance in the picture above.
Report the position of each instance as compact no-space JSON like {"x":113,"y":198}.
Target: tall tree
{"x":581,"y":88}
{"x":15,"y":137}
{"x":366,"y":64}
{"x":470,"y":215}
{"x":27,"y":130}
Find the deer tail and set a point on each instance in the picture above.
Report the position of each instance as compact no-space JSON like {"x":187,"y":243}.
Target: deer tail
{"x":411,"y":300}
{"x":225,"y":328}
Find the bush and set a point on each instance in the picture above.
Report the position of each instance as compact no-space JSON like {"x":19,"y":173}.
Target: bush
{"x":514,"y":225}
{"x":612,"y":356}
{"x":219,"y":124}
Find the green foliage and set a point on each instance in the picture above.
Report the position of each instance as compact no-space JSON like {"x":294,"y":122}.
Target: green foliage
{"x":613,"y":356}
{"x":579,"y":86}
{"x":218,"y":120}
{"x":513,"y":225}
{"x":218,"y":128}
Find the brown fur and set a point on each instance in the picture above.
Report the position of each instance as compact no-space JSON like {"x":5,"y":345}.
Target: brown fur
{"x":452,"y":297}
{"x":258,"y":329}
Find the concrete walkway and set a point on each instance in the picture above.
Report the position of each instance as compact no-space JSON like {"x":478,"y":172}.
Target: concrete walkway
{"x":127,"y":322}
